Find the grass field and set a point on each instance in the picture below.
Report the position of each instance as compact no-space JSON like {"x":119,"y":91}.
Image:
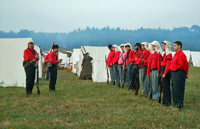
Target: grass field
{"x":84,"y":104}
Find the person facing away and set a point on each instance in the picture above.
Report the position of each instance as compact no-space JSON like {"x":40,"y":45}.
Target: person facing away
{"x":154,"y":67}
{"x":115,"y":64}
{"x":179,"y":71}
{"x":30,"y":55}
{"x":53,"y":60}
{"x":86,"y":67}
{"x":166,"y":73}
{"x":110,"y":64}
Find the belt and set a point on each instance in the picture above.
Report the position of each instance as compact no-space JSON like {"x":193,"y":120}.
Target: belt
{"x":153,"y":69}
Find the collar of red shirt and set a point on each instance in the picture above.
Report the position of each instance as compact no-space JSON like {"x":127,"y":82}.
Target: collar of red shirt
{"x":179,"y":51}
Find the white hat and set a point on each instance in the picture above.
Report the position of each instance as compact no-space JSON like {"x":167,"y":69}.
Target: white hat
{"x":145,"y":44}
{"x":31,"y":41}
{"x":158,"y":47}
{"x":128,"y":44}
{"x":122,"y":45}
{"x":116,"y":48}
{"x":168,"y":47}
{"x":150,"y":47}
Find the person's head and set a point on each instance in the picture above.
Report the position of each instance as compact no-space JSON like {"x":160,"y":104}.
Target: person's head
{"x":153,"y":47}
{"x":122,"y":47}
{"x":127,"y":46}
{"x":110,"y":47}
{"x":137,"y":46}
{"x":144,"y":46}
{"x":55,"y":48}
{"x":113,"y":48}
{"x":177,"y":46}
{"x":163,"y":46}
{"x":87,"y":54}
{"x":31,"y":44}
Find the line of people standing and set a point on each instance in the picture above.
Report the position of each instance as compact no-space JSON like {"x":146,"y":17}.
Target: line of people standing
{"x":144,"y":66}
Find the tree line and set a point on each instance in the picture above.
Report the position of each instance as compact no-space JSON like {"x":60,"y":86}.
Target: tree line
{"x":190,"y":37}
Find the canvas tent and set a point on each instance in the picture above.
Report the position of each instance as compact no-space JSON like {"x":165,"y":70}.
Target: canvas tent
{"x":75,"y":59}
{"x":99,"y":72}
{"x":11,"y":56}
{"x":195,"y":58}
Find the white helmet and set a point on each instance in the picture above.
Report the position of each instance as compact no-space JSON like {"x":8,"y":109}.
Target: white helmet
{"x":158,"y":47}
{"x":168,"y":47}
{"x":145,"y":44}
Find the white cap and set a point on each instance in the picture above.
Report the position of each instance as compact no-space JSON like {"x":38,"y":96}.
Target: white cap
{"x":116,"y":48}
{"x":31,"y":41}
{"x":158,"y":47}
{"x":145,"y":44}
{"x":168,"y":47}
{"x":122,"y":45}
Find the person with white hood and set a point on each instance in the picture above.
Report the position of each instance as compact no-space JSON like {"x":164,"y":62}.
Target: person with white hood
{"x":128,"y":56}
{"x":143,"y":67}
{"x":154,"y":67}
{"x":147,"y":79}
{"x":121,"y":63}
{"x":115,"y":63}
{"x":166,"y":73}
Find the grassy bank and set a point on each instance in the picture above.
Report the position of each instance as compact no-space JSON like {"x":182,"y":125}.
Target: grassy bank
{"x":84,"y":104}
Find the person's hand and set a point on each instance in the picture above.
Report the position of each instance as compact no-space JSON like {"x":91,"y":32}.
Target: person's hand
{"x":135,"y":58}
{"x":163,"y":76}
{"x":187,"y":76}
{"x":60,"y":60}
{"x":131,"y":63}
{"x":36,"y":57}
{"x":142,"y":60}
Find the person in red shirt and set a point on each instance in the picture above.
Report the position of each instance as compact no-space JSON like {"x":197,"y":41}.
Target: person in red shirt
{"x":53,"y":60}
{"x":135,"y":67}
{"x":109,"y":62}
{"x":140,"y":63}
{"x":179,"y":71}
{"x":30,"y":56}
{"x":128,"y":56}
{"x":154,"y":67}
{"x":115,"y":64}
{"x":166,"y":73}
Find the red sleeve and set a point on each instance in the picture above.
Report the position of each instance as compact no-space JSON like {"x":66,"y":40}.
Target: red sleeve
{"x":116,"y":57}
{"x":138,"y":61}
{"x":146,"y":55}
{"x":185,"y":64}
{"x":169,"y":58}
{"x":149,"y":65}
{"x":28,"y":55}
{"x":52,"y":60}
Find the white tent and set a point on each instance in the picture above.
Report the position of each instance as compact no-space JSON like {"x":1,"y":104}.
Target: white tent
{"x":75,"y":59}
{"x":187,"y":53}
{"x":63,"y":57}
{"x":98,"y":54}
{"x":11,"y":56}
{"x":37,"y":48}
{"x":195,"y":58}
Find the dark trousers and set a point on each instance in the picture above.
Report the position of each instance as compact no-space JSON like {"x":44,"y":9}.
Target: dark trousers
{"x":166,"y":87}
{"x":53,"y":77}
{"x":135,"y":77}
{"x":30,"y":77}
{"x":178,"y":87}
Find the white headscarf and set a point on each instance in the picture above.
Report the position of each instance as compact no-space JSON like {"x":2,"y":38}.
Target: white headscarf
{"x":128,"y":44}
{"x":116,"y":48}
{"x":168,"y":47}
{"x":150,"y":48}
{"x":158,"y":47}
{"x":145,"y":44}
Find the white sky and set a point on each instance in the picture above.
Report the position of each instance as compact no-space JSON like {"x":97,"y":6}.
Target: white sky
{"x":67,"y":15}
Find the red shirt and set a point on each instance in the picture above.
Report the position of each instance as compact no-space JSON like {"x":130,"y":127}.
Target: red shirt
{"x":53,"y":58}
{"x":28,"y":54}
{"x":166,"y":62}
{"x":179,"y":61}
{"x":46,"y":58}
{"x":145,"y":55}
{"x":136,"y":55}
{"x":130,"y":56}
{"x":116,"y":57}
{"x":153,"y":62}
{"x":109,"y":60}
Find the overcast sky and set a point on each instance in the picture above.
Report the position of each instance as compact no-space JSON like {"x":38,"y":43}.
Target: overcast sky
{"x":67,"y":15}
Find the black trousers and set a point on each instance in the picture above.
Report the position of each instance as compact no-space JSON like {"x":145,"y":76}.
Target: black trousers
{"x":166,"y":87}
{"x":53,"y":77}
{"x":135,"y":77}
{"x":30,"y":77}
{"x":178,"y":87}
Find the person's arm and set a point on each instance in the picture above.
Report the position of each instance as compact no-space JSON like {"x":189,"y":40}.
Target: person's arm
{"x":185,"y":64}
{"x":91,"y":58}
{"x":83,"y":61}
{"x":169,"y":58}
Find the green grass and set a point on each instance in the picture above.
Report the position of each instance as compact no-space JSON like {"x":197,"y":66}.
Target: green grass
{"x":84,"y":104}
